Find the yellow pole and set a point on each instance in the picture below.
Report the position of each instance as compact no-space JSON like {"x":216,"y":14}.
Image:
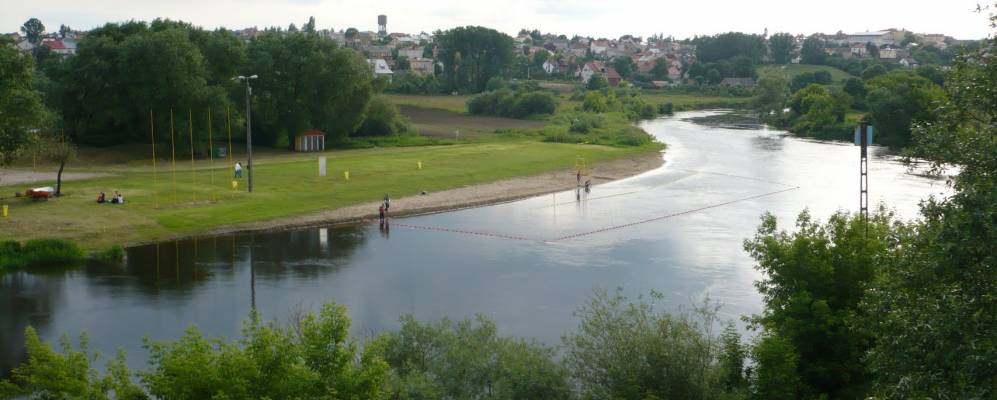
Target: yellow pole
{"x":173,"y":157}
{"x":155,"y":178}
{"x":193,"y":170}
{"x":211,"y":157}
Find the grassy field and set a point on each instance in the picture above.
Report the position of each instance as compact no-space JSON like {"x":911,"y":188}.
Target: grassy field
{"x":285,"y":186}
{"x":457,"y":104}
{"x":792,"y":70}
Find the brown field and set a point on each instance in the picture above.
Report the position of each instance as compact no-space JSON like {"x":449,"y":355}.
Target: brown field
{"x":442,"y":123}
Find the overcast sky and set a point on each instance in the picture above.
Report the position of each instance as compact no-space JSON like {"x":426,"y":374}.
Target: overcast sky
{"x":599,"y":18}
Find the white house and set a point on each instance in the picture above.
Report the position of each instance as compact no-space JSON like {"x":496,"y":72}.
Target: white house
{"x":421,"y":66}
{"x":888,"y":54}
{"x":550,"y":66}
{"x":380,"y":68}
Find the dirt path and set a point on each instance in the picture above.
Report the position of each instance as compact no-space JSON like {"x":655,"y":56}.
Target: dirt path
{"x":466,"y":197}
{"x":17,"y":177}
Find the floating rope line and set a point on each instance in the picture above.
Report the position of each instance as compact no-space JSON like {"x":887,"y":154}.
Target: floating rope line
{"x":614,"y":227}
{"x":466,"y":232}
{"x":564,"y":203}
{"x":588,"y":233}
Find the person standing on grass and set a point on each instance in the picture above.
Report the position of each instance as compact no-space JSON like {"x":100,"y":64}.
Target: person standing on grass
{"x":238,"y":170}
{"x":387,"y":202}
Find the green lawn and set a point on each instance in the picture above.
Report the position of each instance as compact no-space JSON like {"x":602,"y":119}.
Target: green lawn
{"x":450,"y":103}
{"x":792,"y":70}
{"x":284,"y":187}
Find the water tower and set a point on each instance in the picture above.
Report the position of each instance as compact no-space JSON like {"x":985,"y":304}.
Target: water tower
{"x":382,"y":25}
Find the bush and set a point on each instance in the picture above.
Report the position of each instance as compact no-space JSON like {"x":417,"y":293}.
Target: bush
{"x":666,"y":108}
{"x":584,"y":123}
{"x":595,"y":102}
{"x":39,"y":253}
{"x":110,"y":255}
{"x":383,"y":119}
{"x":507,"y":103}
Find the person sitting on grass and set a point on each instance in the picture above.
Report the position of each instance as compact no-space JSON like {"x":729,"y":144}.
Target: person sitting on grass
{"x":101,"y":199}
{"x":117,"y":198}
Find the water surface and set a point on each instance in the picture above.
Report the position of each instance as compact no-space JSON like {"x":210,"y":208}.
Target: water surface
{"x":528,"y":264}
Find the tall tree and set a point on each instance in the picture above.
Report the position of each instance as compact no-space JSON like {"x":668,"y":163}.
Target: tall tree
{"x":770,"y":93}
{"x":305,"y":82}
{"x":64,"y":31}
{"x":897,"y":100}
{"x":812,"y":51}
{"x":781,"y":45}
{"x":21,"y":108}
{"x":934,"y":310}
{"x":813,"y":282}
{"x":728,"y":45}
{"x":472,"y":55}
{"x":33,"y":29}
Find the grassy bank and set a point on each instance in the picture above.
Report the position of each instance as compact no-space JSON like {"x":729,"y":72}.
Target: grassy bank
{"x":285,"y":186}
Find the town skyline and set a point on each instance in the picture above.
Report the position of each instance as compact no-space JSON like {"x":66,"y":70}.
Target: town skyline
{"x":583,"y":19}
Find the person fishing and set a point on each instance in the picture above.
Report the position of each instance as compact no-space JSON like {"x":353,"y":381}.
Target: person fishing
{"x":380,"y":213}
{"x":387,"y":202}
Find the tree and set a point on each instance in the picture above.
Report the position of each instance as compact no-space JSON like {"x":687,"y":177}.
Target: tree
{"x":467,"y":359}
{"x":855,"y":87}
{"x":771,"y":91}
{"x":934,"y":309}
{"x":814,"y":280}
{"x":742,"y":67}
{"x":598,"y":81}
{"x":775,"y":375}
{"x":713,"y":76}
{"x":309,"y":26}
{"x":33,"y":29}
{"x":306,"y":82}
{"x":822,"y":77}
{"x":472,"y":55}
{"x":21,"y":108}
{"x":57,"y":149}
{"x":812,"y":51}
{"x":64,"y":31}
{"x":873,"y":71}
{"x":872,"y":50}
{"x":781,"y":45}
{"x":660,"y":69}
{"x":801,"y":81}
{"x":728,"y":45}
{"x":932,"y":73}
{"x":624,"y":66}
{"x":897,"y":100}
{"x":630,"y":350}
{"x":402,"y":63}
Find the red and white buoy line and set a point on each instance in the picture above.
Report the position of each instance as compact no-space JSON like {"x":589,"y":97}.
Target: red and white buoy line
{"x":592,"y":232}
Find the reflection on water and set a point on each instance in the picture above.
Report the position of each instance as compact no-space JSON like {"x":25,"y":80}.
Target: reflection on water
{"x":527,"y":264}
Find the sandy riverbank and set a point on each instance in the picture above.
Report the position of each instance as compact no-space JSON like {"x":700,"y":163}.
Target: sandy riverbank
{"x":465,"y":197}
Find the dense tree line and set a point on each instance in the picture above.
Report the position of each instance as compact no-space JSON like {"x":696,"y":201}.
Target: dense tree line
{"x":472,"y":55}
{"x":729,"y":45}
{"x":104,"y":94}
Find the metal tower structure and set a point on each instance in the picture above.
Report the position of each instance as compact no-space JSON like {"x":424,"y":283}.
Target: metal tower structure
{"x":382,"y":25}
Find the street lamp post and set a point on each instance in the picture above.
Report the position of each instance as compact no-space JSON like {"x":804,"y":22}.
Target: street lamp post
{"x":249,"y":129}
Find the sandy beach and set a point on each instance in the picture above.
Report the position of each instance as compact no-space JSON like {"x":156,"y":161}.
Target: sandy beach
{"x":460,"y":198}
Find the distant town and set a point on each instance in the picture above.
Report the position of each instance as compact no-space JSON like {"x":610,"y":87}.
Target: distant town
{"x":659,"y":60}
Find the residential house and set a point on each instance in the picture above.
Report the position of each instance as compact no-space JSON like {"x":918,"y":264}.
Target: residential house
{"x":908,"y":62}
{"x":936,"y":39}
{"x":599,"y":47}
{"x":593,"y":67}
{"x":376,"y":52}
{"x":888,"y":53}
{"x":421,"y":66}
{"x":550,"y":66}
{"x":878,"y":38}
{"x":380,"y":68}
{"x":746,"y":82}
{"x":24,"y":45}
{"x":858,"y":49}
{"x":411,"y":53}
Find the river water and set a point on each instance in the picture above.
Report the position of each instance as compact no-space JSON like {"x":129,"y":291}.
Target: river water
{"x":528,"y":264}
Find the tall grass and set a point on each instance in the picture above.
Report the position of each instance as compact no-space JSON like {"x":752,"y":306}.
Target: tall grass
{"x":40,"y":253}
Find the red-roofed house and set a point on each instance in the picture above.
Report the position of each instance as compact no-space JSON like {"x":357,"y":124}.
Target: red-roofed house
{"x":57,"y":46}
{"x":592,"y":67}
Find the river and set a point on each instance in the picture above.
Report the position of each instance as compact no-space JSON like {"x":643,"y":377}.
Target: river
{"x":528,"y":264}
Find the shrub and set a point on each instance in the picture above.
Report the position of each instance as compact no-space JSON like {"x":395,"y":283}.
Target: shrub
{"x":383,"y":119}
{"x":666,"y":108}
{"x":113,"y":254}
{"x":40,"y":253}
{"x":507,"y":103}
{"x":595,"y":102}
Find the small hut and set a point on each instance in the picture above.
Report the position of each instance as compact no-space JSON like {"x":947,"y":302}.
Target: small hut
{"x":310,"y":140}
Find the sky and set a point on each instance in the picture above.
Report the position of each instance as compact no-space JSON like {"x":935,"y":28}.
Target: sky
{"x":596,"y":18}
